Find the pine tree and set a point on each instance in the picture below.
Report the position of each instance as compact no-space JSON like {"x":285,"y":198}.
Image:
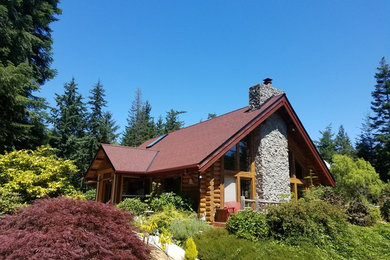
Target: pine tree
{"x":140,"y":125}
{"x":343,"y":143}
{"x":381,"y":119}
{"x":25,"y":58}
{"x":366,"y":142}
{"x":160,"y":126}
{"x":69,"y":134}
{"x":172,"y":121}
{"x":326,"y":145}
{"x":101,"y":126}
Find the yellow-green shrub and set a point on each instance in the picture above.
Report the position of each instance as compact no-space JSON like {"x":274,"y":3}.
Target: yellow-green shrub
{"x":191,"y":252}
{"x":36,"y":173}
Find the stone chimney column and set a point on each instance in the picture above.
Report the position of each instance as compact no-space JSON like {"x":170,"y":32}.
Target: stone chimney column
{"x":271,"y":147}
{"x":260,"y":93}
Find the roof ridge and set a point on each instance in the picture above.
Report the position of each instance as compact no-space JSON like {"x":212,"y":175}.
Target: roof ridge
{"x":207,"y":120}
{"x":129,"y":147}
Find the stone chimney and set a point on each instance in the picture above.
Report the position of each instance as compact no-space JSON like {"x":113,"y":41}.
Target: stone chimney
{"x":260,"y":93}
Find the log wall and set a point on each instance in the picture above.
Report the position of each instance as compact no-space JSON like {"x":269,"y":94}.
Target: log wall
{"x":211,"y":191}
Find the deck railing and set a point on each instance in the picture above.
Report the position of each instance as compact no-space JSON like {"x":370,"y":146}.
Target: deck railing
{"x":257,"y":204}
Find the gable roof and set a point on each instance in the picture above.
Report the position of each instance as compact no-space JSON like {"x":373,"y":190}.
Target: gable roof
{"x":129,"y":159}
{"x":200,"y":145}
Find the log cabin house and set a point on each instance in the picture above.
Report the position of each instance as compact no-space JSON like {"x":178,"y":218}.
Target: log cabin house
{"x":259,"y":151}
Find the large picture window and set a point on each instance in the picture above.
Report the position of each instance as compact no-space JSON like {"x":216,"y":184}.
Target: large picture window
{"x":238,"y":157}
{"x":134,"y":187}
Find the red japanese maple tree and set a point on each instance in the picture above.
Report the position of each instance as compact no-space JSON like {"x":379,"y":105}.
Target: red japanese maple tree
{"x":64,"y":228}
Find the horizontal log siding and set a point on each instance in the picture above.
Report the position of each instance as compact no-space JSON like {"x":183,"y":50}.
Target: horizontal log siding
{"x":210,"y":191}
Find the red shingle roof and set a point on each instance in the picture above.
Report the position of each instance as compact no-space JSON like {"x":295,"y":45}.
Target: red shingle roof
{"x":189,"y":146}
{"x":129,"y":159}
{"x":201,"y":144}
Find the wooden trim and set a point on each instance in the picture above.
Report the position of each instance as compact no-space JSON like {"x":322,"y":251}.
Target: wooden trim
{"x":113,"y":189}
{"x":121,"y":188}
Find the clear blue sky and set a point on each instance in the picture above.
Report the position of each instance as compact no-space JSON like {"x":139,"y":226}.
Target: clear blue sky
{"x":202,"y":56}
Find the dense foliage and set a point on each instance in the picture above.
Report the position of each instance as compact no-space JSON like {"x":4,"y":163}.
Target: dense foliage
{"x":141,"y":126}
{"x":35,"y":174}
{"x":90,"y":194}
{"x":69,"y":229}
{"x":9,"y":201}
{"x":328,"y":145}
{"x":157,"y":203}
{"x":385,"y":210}
{"x":69,"y":134}
{"x":25,"y":58}
{"x":316,"y":222}
{"x":356,"y":179}
{"x":182,"y":229}
{"x":380,"y":121}
{"x":135,"y":206}
{"x":217,"y":244}
{"x":248,"y":224}
{"x":101,"y":126}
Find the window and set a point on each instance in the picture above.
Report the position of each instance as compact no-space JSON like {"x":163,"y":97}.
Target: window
{"x":245,"y":187}
{"x":238,"y":157}
{"x":133,"y":187}
{"x":230,"y":159}
{"x":172,"y":184}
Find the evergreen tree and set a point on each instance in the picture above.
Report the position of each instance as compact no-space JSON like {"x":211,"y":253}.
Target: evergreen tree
{"x":69,"y":133}
{"x":21,"y":118}
{"x":101,"y":126}
{"x":140,"y":125}
{"x":343,"y":143}
{"x":160,"y":126}
{"x":172,"y":121}
{"x":326,"y":145}
{"x":25,"y":58}
{"x":211,"y":115}
{"x":381,"y":119}
{"x":366,"y":142}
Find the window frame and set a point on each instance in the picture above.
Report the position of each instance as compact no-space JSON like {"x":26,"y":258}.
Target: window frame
{"x":238,"y":174}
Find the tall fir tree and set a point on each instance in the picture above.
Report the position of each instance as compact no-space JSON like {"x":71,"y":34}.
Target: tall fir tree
{"x":172,"y":121}
{"x":381,"y":119}
{"x":366,"y":142}
{"x":343,"y":143}
{"x":69,"y":134}
{"x":326,"y":145}
{"x":25,"y":59}
{"x":101,"y":126}
{"x":140,"y":125}
{"x":160,"y":126}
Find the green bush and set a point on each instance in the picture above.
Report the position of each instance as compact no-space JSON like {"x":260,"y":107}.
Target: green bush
{"x":90,"y":194}
{"x":164,"y":218}
{"x":216,"y":244}
{"x":9,"y":201}
{"x":248,"y":224}
{"x":170,"y":198}
{"x":365,"y":242}
{"x":385,"y":210}
{"x":135,"y":206}
{"x":182,"y":229}
{"x":327,"y":194}
{"x":317,"y":222}
{"x":36,"y":173}
{"x":356,"y":179}
{"x":359,"y":214}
